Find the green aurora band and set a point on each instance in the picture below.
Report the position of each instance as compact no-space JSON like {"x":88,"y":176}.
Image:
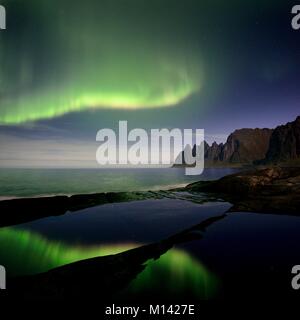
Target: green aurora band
{"x":59,"y":58}
{"x":24,"y":252}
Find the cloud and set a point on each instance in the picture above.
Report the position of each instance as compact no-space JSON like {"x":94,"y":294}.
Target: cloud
{"x":23,"y":152}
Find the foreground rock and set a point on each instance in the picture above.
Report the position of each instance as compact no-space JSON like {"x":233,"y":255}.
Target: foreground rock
{"x":24,"y":210}
{"x":274,"y":190}
{"x":18,"y":211}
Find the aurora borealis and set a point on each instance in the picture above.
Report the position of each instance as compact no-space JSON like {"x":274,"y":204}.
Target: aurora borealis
{"x":62,"y":59}
{"x":68,"y":70}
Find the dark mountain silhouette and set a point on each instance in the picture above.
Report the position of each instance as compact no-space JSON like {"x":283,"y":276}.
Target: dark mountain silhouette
{"x":242,"y":146}
{"x":284,"y":143}
{"x":253,"y":146}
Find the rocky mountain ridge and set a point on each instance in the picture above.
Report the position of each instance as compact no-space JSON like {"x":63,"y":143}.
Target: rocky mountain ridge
{"x":253,"y":146}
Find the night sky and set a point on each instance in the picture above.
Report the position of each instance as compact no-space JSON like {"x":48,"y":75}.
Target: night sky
{"x":70,"y":68}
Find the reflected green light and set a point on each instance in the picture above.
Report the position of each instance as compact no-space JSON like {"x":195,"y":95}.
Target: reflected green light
{"x":24,"y":252}
{"x":176,"y":272}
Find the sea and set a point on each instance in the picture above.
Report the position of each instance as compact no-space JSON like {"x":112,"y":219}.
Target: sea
{"x":244,"y":252}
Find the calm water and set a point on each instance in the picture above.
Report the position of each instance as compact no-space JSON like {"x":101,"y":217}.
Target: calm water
{"x":241,"y":244}
{"x":38,"y":182}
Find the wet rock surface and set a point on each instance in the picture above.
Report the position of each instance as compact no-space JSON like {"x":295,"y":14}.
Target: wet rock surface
{"x":273,"y":189}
